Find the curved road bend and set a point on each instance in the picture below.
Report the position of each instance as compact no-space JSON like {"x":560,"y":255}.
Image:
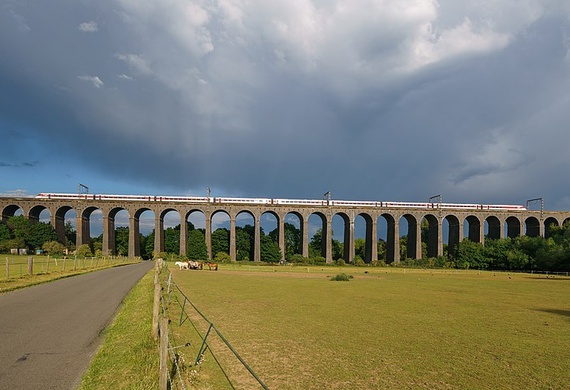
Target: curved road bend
{"x":50,"y":332}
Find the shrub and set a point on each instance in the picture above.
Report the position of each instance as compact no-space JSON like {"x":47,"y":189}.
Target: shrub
{"x":340,"y":262}
{"x":342,"y":277}
{"x":319,"y":260}
{"x":297,"y":258}
{"x":53,"y":248}
{"x":222,"y":257}
{"x":84,"y":251}
{"x":160,"y":255}
{"x":359,"y":262}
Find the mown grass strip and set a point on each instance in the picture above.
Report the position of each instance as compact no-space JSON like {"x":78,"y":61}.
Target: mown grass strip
{"x":128,"y":357}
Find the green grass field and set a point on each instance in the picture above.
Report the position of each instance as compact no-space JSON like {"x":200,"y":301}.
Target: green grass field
{"x":14,"y":269}
{"x":385,"y":329}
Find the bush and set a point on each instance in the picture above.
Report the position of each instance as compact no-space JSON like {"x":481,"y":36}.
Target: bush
{"x":160,"y":255}
{"x":340,"y":262}
{"x":53,"y":248}
{"x":84,"y":251}
{"x":378,"y":263}
{"x":222,"y":257}
{"x":359,"y":262}
{"x":297,"y":258}
{"x":342,"y":277}
{"x":319,"y":260}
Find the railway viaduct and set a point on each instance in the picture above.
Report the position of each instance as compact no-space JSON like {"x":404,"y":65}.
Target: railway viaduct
{"x":478,"y":223}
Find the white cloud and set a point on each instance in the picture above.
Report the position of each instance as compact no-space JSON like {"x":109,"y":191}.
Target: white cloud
{"x":94,"y":80}
{"x":89,"y":27}
{"x":18,"y":193}
{"x":460,"y":40}
{"x":346,"y":47}
{"x":137,"y":62}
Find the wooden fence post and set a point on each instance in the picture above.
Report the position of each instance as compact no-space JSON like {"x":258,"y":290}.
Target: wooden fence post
{"x":155,"y":311}
{"x":30,"y":265}
{"x":163,"y":380}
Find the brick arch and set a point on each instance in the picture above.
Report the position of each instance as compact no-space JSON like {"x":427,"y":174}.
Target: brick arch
{"x":474,"y":233}
{"x":532,"y":227}
{"x":548,"y":222}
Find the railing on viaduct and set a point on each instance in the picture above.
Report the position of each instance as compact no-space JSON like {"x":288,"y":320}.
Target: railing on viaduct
{"x":481,"y":220}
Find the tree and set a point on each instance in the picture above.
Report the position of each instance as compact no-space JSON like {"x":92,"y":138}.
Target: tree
{"x":122,"y":240}
{"x":34,"y":234}
{"x":403,"y":247}
{"x":20,"y":228}
{"x":337,"y":249}
{"x":471,"y":255}
{"x":359,"y":248}
{"x":13,"y":243}
{"x":197,"y":249}
{"x":220,"y":240}
{"x":381,"y":249}
{"x":172,"y":239}
{"x":70,"y":234}
{"x":495,"y":251}
{"x":292,"y":237}
{"x":269,"y":250}
{"x":147,"y":245}
{"x":4,"y":232}
{"x":244,"y":243}
{"x":316,"y":244}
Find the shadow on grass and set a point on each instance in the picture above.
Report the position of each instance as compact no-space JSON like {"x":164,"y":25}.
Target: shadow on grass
{"x":550,"y":277}
{"x":565,"y":313}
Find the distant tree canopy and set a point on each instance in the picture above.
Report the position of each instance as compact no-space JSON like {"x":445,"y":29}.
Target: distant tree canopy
{"x":520,"y":253}
{"x":22,"y":233}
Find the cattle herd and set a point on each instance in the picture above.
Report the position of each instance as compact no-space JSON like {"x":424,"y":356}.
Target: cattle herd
{"x":196,"y":265}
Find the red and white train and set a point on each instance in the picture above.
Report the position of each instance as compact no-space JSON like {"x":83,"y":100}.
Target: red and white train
{"x":292,"y":202}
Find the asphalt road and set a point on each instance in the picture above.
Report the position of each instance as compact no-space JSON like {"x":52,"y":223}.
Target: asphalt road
{"x":49,"y":333}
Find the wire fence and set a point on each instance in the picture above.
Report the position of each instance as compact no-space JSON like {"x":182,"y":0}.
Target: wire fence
{"x":25,"y":266}
{"x":198,"y":354}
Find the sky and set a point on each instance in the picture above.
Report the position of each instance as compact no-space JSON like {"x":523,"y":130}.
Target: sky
{"x":395,"y":100}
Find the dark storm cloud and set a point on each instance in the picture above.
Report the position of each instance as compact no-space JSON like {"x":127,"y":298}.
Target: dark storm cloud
{"x":394,"y":100}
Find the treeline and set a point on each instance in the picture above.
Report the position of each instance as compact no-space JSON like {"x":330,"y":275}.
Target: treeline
{"x":521,"y":253}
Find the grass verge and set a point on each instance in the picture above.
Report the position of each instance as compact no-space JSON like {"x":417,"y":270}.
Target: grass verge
{"x":128,"y":357}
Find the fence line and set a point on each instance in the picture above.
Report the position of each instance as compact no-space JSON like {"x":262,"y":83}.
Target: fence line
{"x":46,"y":264}
{"x":170,"y":303}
